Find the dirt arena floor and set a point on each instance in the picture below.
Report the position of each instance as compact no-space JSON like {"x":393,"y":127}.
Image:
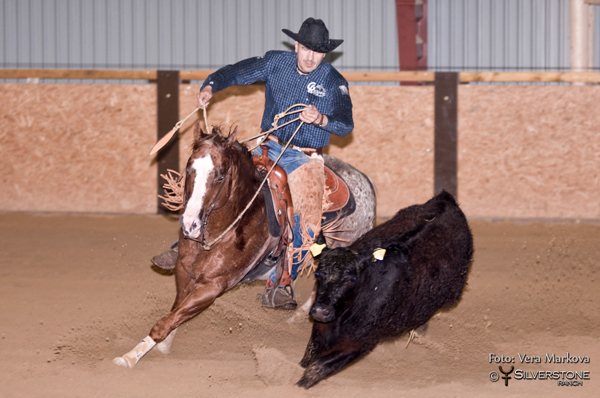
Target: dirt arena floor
{"x":78,"y":291}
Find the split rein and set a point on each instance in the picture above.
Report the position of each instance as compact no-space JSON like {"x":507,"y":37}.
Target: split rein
{"x":167,"y":137}
{"x":163,"y":141}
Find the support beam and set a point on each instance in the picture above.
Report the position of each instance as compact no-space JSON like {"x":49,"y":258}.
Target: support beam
{"x":409,"y":76}
{"x":411,"y":20}
{"x":167,"y":92}
{"x":446,"y":133}
{"x":407,"y":34}
{"x":421,"y":15}
{"x":582,"y":28}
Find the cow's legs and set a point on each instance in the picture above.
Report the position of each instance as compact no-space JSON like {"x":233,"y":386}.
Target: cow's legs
{"x":202,"y":296}
{"x":316,"y":344}
{"x":329,"y":364}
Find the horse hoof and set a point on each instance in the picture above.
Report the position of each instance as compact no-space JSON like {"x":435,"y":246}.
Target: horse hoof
{"x":120,"y":361}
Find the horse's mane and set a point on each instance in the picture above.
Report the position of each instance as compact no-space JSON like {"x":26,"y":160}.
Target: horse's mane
{"x":236,"y":152}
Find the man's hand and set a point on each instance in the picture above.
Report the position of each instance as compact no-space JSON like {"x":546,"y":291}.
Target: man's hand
{"x":311,"y":115}
{"x":204,"y":97}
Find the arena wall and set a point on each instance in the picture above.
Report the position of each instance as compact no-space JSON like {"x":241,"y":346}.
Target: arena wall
{"x":524,"y":151}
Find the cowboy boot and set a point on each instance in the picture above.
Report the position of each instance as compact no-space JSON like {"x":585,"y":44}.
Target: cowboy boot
{"x":167,"y":260}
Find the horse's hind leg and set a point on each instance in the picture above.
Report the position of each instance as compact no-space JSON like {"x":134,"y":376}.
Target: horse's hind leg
{"x":202,"y":296}
{"x":165,"y":345}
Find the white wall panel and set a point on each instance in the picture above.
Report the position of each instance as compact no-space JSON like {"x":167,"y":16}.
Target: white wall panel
{"x":499,"y":35}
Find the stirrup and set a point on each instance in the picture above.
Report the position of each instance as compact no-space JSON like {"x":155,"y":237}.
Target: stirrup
{"x":280,"y":297}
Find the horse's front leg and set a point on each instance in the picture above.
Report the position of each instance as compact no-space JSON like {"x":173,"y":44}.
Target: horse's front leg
{"x":202,"y":296}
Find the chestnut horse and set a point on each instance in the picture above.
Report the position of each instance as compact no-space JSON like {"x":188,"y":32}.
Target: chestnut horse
{"x":220,"y":181}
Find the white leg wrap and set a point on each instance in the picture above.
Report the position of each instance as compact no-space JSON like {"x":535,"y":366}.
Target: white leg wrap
{"x":304,"y":310}
{"x":165,"y":345}
{"x":132,"y":357}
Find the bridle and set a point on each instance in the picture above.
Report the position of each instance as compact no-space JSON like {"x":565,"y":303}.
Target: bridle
{"x":202,"y":239}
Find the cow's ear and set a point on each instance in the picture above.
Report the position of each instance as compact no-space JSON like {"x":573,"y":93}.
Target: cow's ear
{"x":321,"y":238}
{"x":320,"y":244}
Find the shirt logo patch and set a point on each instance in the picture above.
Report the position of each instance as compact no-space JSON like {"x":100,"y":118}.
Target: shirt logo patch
{"x":316,"y":89}
{"x":344,"y":90}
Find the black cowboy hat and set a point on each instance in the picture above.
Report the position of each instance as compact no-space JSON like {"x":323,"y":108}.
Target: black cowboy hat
{"x":314,"y":35}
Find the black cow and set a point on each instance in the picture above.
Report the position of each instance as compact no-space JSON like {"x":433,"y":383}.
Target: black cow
{"x":361,"y":300}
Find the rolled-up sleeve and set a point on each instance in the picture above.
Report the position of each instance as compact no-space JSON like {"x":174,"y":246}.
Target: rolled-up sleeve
{"x":340,"y":122}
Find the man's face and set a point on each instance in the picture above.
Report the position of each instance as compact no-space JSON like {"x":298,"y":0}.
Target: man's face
{"x":308,"y":60}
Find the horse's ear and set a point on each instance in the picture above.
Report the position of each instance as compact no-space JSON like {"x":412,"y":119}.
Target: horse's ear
{"x":232,"y":138}
{"x":198,"y":132}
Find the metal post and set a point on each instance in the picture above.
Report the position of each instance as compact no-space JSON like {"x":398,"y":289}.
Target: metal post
{"x":446,"y":133}
{"x":167,"y":92}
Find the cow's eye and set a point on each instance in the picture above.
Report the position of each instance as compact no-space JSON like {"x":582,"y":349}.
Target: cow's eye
{"x":317,"y":274}
{"x":351,"y":279}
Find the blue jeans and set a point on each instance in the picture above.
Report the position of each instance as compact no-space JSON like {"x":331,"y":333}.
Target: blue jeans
{"x":290,"y":161}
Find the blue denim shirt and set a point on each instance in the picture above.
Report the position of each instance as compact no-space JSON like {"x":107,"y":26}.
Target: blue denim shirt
{"x":324,"y":87}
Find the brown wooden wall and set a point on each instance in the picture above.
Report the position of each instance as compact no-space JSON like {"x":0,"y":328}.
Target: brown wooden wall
{"x":524,"y":151}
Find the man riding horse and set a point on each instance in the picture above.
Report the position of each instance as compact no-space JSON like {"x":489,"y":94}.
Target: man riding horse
{"x":299,"y":77}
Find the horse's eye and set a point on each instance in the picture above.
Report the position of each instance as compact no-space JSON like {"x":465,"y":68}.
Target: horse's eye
{"x":317,"y":274}
{"x":220,"y":179}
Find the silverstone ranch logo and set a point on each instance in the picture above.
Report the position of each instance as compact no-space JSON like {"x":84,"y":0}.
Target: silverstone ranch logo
{"x":573,"y":378}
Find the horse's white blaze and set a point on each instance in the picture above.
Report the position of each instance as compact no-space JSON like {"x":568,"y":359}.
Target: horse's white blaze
{"x":189,"y":220}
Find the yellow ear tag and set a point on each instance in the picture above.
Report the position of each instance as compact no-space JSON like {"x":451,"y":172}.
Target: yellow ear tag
{"x":316,"y":249}
{"x":379,"y":254}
